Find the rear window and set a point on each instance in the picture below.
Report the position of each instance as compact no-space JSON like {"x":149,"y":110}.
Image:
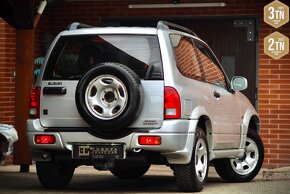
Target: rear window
{"x":72,"y":56}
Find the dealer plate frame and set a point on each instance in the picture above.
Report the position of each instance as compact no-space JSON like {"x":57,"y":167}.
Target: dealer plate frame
{"x":99,"y":151}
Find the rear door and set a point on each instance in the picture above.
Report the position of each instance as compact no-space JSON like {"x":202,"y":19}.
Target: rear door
{"x":72,"y":56}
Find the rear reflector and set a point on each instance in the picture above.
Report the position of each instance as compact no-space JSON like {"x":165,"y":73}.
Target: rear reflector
{"x":44,"y":139}
{"x":149,"y":140}
{"x":171,"y":103}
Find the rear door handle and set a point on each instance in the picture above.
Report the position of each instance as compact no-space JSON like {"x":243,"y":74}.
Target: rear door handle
{"x":54,"y":90}
{"x":216,"y":94}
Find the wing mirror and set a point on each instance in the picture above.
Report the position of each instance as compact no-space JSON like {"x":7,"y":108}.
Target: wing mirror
{"x":239,"y":83}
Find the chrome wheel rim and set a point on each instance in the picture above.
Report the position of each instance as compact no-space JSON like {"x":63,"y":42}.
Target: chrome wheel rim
{"x":201,"y":160}
{"x":106,"y":97}
{"x":247,"y":164}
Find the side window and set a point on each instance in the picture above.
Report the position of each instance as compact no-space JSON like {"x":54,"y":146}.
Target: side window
{"x":196,"y":62}
{"x":213,"y":74}
{"x":186,"y":56}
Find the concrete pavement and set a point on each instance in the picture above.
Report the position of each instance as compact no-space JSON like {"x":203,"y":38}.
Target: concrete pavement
{"x":264,"y":174}
{"x":159,"y":179}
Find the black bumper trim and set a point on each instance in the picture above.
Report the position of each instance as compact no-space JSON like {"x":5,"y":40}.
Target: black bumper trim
{"x":68,"y":129}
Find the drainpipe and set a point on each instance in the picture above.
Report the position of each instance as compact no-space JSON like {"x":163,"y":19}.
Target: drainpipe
{"x":39,"y":11}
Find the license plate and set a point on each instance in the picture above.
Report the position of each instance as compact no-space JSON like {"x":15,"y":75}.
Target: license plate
{"x":99,"y":151}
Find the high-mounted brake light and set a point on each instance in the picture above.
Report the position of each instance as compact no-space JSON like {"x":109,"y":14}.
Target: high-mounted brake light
{"x":44,"y":139}
{"x":171,"y":103}
{"x":99,"y":39}
{"x":34,"y":104}
{"x":149,"y":140}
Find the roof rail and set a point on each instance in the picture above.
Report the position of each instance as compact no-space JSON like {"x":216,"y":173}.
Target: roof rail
{"x":167,"y":25}
{"x":77,"y":25}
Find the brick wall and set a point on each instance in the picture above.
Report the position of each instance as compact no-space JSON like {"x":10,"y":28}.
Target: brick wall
{"x":7,"y":69}
{"x":274,"y":101}
{"x":7,"y":80}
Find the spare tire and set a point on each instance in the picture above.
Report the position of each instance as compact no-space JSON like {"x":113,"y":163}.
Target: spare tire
{"x":109,"y":97}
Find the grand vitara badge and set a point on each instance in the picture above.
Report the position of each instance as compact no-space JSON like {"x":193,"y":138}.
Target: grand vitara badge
{"x":54,"y":83}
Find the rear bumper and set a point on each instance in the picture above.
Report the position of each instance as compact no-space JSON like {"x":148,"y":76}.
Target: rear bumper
{"x":177,"y":138}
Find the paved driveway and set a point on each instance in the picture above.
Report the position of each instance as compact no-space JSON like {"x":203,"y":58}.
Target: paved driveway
{"x":158,"y":179}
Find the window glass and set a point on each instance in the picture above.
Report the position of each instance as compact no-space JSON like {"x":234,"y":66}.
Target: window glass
{"x":186,"y":57}
{"x":196,"y":62}
{"x":74,"y":55}
{"x":213,"y":74}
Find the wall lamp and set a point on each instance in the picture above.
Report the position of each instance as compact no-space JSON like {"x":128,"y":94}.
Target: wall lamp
{"x":177,"y":5}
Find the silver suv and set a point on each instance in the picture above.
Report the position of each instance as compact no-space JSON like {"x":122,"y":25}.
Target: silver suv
{"x":123,"y":98}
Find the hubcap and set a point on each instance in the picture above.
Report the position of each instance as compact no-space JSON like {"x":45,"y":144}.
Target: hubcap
{"x":201,"y":160}
{"x":247,"y":164}
{"x":106,"y":97}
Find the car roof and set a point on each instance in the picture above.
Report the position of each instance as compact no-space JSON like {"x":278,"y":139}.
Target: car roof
{"x":112,"y":30}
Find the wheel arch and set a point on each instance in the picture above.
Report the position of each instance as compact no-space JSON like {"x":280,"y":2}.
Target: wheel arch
{"x":204,"y":122}
{"x":203,"y":118}
{"x":254,"y":123}
{"x":251,"y":121}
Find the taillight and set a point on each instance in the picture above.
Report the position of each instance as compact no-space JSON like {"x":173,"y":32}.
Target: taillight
{"x":34,"y":104}
{"x":171,"y":103}
{"x":44,"y":139}
{"x":149,"y":140}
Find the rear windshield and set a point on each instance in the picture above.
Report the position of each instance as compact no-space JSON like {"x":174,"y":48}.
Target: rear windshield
{"x":72,"y":56}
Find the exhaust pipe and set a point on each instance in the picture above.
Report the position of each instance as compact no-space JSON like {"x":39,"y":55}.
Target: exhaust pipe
{"x":137,"y":150}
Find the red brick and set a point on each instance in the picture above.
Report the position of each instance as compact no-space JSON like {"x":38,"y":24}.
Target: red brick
{"x":268,"y":106}
{"x":280,"y":72}
{"x":269,"y":126}
{"x":284,"y":126}
{"x":270,"y":116}
{"x":270,"y":136}
{"x":280,"y":141}
{"x":280,"y":121}
{"x":271,"y":66}
{"x":271,"y":156}
{"x":280,"y":111}
{"x":279,"y":151}
{"x":283,"y":106}
{"x":284,"y":146}
{"x":280,"y":91}
{"x":263,"y":96}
